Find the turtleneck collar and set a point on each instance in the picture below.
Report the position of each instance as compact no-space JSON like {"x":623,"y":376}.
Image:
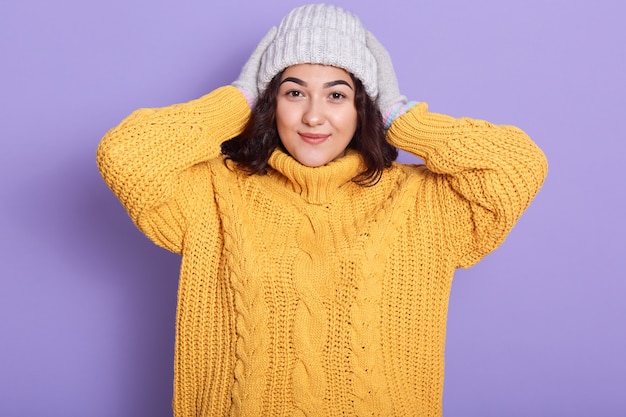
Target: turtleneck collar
{"x":316,"y":185}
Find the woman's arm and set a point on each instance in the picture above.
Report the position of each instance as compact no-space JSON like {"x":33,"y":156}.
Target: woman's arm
{"x":487,"y":174}
{"x":143,"y":159}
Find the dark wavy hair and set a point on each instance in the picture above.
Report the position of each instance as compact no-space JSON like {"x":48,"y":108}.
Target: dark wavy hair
{"x":251,"y":150}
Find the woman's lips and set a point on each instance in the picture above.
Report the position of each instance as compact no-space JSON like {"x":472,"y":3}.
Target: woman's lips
{"x":313,"y":138}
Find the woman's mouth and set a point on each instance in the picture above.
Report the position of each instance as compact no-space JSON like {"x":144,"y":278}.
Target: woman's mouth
{"x":313,"y":138}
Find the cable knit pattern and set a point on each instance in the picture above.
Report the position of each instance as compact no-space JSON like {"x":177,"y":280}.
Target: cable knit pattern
{"x":302,"y":293}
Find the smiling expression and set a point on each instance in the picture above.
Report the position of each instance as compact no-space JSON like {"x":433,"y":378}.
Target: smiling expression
{"x":315,"y":113}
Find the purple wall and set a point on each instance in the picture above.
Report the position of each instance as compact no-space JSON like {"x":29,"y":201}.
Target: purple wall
{"x":87,"y":303}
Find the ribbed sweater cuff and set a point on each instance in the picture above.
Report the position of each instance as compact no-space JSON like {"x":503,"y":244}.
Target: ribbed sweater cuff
{"x":227,"y":105}
{"x":420,"y":132}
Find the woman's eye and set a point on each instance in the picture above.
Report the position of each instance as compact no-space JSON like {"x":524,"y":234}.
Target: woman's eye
{"x":337,"y":96}
{"x":294,"y":93}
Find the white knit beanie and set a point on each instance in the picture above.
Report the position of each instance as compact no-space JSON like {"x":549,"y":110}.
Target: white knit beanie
{"x":320,"y":34}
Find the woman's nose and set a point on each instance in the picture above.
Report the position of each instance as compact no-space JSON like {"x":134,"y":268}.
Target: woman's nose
{"x":313,"y":114}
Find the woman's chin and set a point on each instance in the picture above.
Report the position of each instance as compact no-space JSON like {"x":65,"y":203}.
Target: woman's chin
{"x":316,"y":161}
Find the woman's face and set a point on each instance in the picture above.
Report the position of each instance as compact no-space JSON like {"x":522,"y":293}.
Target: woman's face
{"x":315,"y":113}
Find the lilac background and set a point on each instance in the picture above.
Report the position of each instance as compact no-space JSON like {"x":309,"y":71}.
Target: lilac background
{"x":87,"y":304}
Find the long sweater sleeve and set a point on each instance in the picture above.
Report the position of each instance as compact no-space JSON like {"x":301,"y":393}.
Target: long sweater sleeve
{"x":144,"y":157}
{"x":486,"y":175}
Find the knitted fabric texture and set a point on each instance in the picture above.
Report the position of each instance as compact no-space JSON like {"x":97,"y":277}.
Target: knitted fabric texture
{"x":320,"y":34}
{"x":301,"y":292}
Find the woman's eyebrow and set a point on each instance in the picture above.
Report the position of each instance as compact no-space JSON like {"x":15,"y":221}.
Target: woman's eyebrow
{"x":326,"y":85}
{"x":337,"y":82}
{"x":294,"y":80}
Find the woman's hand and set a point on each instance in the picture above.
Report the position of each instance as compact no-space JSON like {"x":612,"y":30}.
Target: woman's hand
{"x":392,"y":104}
{"x":247,"y":81}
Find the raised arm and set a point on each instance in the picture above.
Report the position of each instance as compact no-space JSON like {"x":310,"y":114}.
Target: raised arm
{"x":147,"y":159}
{"x":487,"y":174}
{"x":144,"y":157}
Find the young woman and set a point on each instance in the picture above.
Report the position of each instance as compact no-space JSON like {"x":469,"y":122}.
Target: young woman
{"x":315,"y":270}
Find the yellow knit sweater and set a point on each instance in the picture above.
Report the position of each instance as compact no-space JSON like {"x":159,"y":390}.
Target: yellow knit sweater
{"x":302,"y":293}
